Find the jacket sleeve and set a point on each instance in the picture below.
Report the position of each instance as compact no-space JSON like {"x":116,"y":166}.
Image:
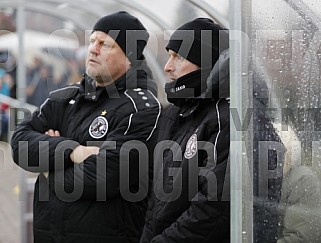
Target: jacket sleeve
{"x":202,"y":222}
{"x":206,"y":219}
{"x":36,"y":152}
{"x":147,"y":233}
{"x":98,"y":177}
{"x":300,"y":200}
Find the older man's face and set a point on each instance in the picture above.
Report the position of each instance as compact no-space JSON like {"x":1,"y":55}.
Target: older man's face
{"x":106,"y":61}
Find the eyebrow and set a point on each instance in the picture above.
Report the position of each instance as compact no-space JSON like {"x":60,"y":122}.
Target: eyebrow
{"x":101,"y":41}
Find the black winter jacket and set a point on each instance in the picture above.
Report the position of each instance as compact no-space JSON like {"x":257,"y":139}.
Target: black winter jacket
{"x":190,"y":202}
{"x":91,"y":201}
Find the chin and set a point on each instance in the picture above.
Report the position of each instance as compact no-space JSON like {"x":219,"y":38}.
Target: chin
{"x":91,"y":73}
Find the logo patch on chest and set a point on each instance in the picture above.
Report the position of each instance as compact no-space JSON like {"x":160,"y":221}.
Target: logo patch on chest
{"x":191,"y":147}
{"x":99,"y":127}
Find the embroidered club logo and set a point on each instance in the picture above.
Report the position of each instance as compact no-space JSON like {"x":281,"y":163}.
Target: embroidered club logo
{"x":191,"y":147}
{"x":98,"y":127}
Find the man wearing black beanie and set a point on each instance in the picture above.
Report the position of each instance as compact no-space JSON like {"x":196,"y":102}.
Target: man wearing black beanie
{"x":85,"y":142}
{"x":190,"y":202}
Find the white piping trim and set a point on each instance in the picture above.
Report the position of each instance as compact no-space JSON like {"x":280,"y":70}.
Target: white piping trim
{"x":131,"y":100}
{"x":68,"y":87}
{"x":219,"y":130}
{"x":130,"y":121}
{"x":40,"y":109}
{"x":54,"y":91}
{"x":159,"y":112}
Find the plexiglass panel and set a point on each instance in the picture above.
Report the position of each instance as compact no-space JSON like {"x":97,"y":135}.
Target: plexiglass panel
{"x":283,"y":143}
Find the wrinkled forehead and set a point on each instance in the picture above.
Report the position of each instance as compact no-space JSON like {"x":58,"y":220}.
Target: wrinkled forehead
{"x":101,"y":37}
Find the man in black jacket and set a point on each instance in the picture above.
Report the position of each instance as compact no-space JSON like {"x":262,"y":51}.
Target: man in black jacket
{"x":92,"y":142}
{"x":190,"y":202}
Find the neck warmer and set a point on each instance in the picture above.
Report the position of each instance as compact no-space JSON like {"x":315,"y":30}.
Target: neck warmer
{"x":187,"y":87}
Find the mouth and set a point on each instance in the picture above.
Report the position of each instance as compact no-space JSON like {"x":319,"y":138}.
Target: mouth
{"x":93,"y":61}
{"x":171,"y":76}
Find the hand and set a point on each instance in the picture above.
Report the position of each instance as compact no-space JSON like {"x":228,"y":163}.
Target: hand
{"x":81,"y":153}
{"x":53,"y":133}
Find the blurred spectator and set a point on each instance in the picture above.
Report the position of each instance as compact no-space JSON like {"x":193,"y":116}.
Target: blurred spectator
{"x":300,"y":215}
{"x":9,"y":65}
{"x":12,"y":71}
{"x":32,"y":71}
{"x":40,"y":85}
{"x":6,"y":83}
{"x":75,"y":75}
{"x":72,"y":75}
{"x":81,"y":59}
{"x":76,"y":67}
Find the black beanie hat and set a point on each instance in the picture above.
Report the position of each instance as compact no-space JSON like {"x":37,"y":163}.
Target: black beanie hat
{"x":122,"y":26}
{"x":199,"y":41}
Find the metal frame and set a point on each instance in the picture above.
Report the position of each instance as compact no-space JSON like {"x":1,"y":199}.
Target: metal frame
{"x":211,"y":12}
{"x":237,"y":150}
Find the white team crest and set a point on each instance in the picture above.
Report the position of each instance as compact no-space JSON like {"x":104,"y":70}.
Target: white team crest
{"x":191,"y":147}
{"x":98,"y":127}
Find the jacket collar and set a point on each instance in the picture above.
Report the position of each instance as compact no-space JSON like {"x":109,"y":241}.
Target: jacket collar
{"x":218,"y":81}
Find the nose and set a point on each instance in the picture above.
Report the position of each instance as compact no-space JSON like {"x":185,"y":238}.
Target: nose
{"x":169,"y":66}
{"x":94,"y":48}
